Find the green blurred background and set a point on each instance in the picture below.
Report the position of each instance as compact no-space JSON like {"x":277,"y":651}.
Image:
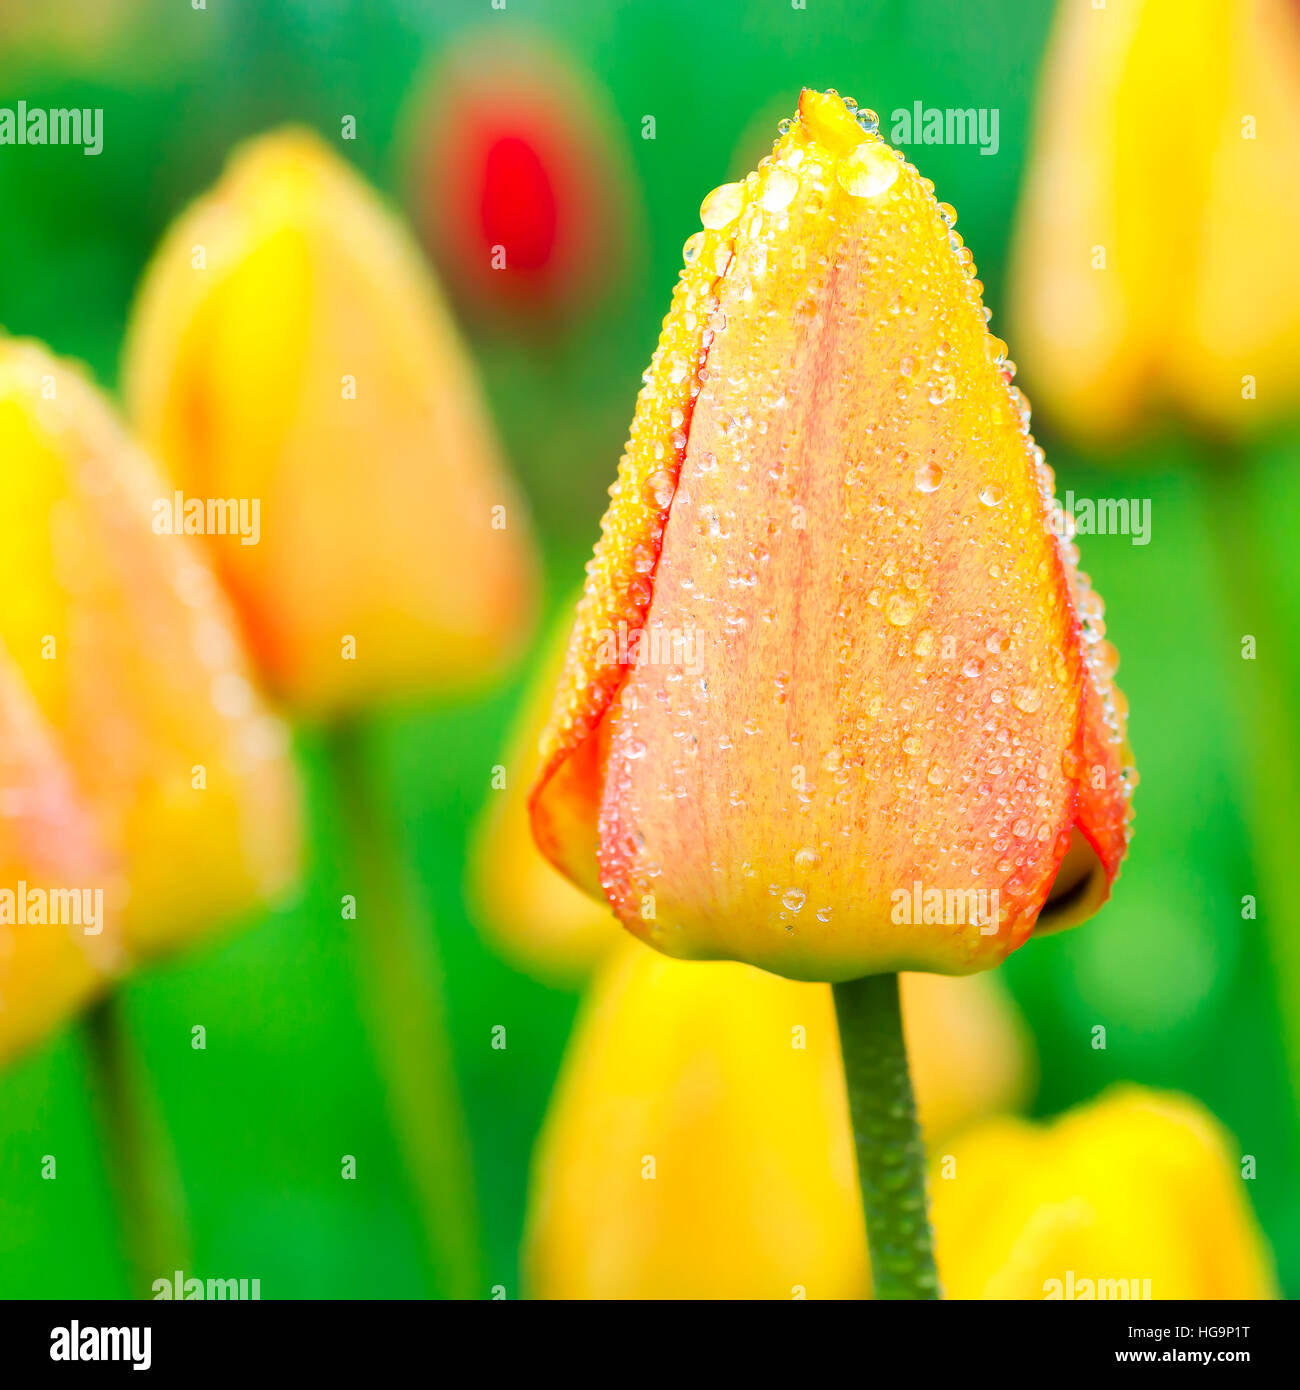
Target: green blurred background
{"x":286,"y":1086}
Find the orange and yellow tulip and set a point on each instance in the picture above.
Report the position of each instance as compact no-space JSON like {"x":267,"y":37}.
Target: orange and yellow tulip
{"x":49,"y":849}
{"x":868,"y":671}
{"x":131,"y":654}
{"x":1155,"y":265}
{"x":698,"y":1145}
{"x":1135,"y":1195}
{"x":290,"y":346}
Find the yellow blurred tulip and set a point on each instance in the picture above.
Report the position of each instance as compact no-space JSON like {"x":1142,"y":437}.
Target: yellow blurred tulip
{"x":698,"y":1144}
{"x":290,"y":346}
{"x":1137,"y":1194}
{"x":1155,"y":264}
{"x":51,"y":867}
{"x":537,"y":919}
{"x":123,"y":637}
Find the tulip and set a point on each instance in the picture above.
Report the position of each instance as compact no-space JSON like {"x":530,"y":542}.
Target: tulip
{"x":534,"y":915}
{"x":1136,"y":1186}
{"x":289,"y":347}
{"x":519,"y":179}
{"x":880,"y":673}
{"x":876,"y":729}
{"x":698,"y":1144}
{"x":1155,"y":262}
{"x":48,"y":843}
{"x":124,"y":640}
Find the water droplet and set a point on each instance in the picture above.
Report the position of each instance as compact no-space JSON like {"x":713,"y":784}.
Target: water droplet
{"x":867,"y":119}
{"x":793,"y":899}
{"x":991,"y":495}
{"x":868,"y":170}
{"x":928,"y":477}
{"x":807,"y":858}
{"x":1027,"y":698}
{"x":779,"y":190}
{"x":722,"y":206}
{"x":900,"y":609}
{"x":692,"y":247}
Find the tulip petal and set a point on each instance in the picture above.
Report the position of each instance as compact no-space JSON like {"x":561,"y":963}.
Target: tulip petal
{"x":48,"y":844}
{"x":1137,"y":1185}
{"x":854,"y":527}
{"x":1155,"y":261}
{"x":125,"y":640}
{"x":536,"y":916}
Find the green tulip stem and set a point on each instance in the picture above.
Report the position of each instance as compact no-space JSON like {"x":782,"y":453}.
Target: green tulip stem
{"x":399,"y":975}
{"x":138,"y":1154}
{"x":891,"y":1157}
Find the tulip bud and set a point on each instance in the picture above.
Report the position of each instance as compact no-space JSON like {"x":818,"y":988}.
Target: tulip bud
{"x":698,"y":1144}
{"x":122,"y":636}
{"x":1135,"y":1195}
{"x":874,"y":709}
{"x":60,"y":897}
{"x":1155,"y":263}
{"x":536,"y":917}
{"x":520,"y":185}
{"x":289,"y":349}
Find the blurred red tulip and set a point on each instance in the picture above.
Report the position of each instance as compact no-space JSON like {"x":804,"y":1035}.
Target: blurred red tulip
{"x":520,"y":187}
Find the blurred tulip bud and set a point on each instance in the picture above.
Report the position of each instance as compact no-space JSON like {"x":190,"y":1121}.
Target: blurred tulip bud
{"x":60,"y":897}
{"x":519,"y":178}
{"x":698,"y":1144}
{"x":1135,"y":1195}
{"x":534,"y":915}
{"x":1155,"y":262}
{"x":122,"y":635}
{"x":836,"y":700}
{"x":289,"y":350}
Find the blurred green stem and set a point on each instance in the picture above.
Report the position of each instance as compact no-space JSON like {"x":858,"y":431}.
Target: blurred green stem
{"x":1267,"y":692}
{"x":891,"y":1157}
{"x":138,"y":1153}
{"x":400,"y":977}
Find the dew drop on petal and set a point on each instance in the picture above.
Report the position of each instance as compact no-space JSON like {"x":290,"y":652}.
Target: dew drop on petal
{"x":900,"y":609}
{"x":722,"y":206}
{"x":779,"y":190}
{"x":928,"y":477}
{"x":868,"y":170}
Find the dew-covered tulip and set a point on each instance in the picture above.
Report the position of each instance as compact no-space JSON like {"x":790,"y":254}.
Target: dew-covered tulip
{"x":519,"y":179}
{"x":866,"y":708}
{"x":60,"y":893}
{"x":289,"y":347}
{"x":532,"y":913}
{"x":132,"y":655}
{"x":1155,"y":265}
{"x":698,"y":1143}
{"x":1136,"y":1195}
